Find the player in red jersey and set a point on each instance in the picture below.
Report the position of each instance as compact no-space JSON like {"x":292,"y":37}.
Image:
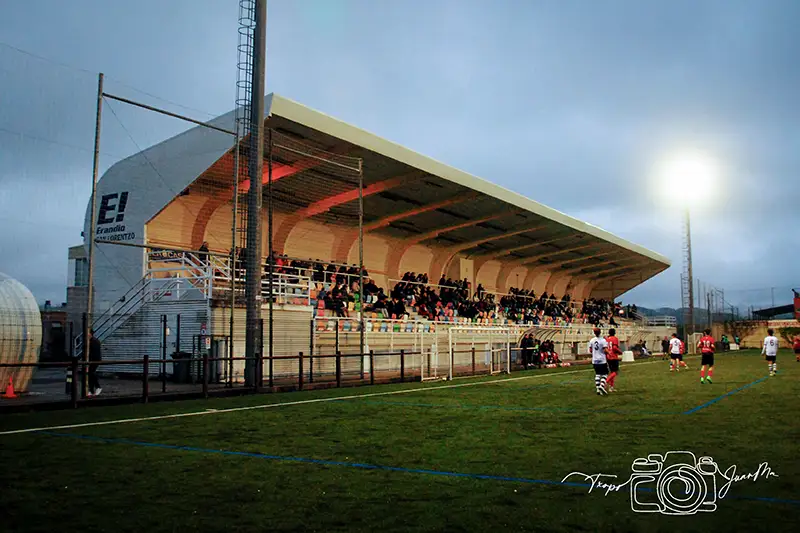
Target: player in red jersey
{"x":706,"y":347}
{"x":613,"y":358}
{"x":796,"y":347}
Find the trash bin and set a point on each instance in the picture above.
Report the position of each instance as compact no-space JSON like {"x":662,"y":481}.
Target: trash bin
{"x":181,"y":367}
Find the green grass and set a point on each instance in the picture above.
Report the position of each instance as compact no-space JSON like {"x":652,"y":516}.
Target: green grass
{"x":541,"y":428}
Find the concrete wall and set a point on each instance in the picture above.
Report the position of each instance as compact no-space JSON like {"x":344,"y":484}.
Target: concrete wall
{"x":753,"y":332}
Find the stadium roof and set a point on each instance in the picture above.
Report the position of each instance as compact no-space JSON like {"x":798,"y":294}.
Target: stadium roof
{"x":408,"y":197}
{"x":417,"y":199}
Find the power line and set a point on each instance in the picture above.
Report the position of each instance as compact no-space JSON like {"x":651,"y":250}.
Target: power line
{"x":116,"y":80}
{"x":51,"y":141}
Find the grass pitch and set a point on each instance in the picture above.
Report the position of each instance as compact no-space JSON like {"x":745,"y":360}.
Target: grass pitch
{"x":467,"y":455}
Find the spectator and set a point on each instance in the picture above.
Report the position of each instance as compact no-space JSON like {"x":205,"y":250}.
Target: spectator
{"x":95,"y":356}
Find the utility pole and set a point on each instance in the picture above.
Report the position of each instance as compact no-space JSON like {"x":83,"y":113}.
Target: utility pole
{"x":87,"y":324}
{"x":253,"y":296}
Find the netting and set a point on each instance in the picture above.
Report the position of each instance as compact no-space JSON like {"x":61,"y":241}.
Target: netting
{"x":479,"y":350}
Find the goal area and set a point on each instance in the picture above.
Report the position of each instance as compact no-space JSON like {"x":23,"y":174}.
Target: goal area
{"x":476,"y":350}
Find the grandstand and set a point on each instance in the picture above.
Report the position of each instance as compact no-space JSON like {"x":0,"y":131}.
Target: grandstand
{"x":472,"y":263}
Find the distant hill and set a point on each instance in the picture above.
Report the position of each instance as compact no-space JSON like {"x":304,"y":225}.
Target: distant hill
{"x":701,"y":314}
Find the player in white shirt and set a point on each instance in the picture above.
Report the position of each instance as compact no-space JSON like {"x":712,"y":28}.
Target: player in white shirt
{"x":675,"y":354}
{"x":770,"y":350}
{"x":598,"y":347}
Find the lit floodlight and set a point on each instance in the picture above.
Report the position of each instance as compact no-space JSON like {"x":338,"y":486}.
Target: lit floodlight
{"x":688,"y":178}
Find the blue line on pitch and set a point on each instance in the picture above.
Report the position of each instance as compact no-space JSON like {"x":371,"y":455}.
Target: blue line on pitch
{"x":324,"y":462}
{"x":367,"y":466}
{"x":715,"y":400}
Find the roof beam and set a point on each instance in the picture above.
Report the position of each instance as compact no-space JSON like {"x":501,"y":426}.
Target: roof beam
{"x":594,"y":265}
{"x":447,"y":229}
{"x":535,"y":258}
{"x":326,"y":204}
{"x":507,"y":251}
{"x":605,"y":273}
{"x":385,"y":221}
{"x":225,"y":166}
{"x":471,"y":244}
{"x":586,"y":269}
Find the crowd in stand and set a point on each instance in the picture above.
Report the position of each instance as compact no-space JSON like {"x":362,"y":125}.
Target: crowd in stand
{"x":338,"y":286}
{"x":451,"y":298}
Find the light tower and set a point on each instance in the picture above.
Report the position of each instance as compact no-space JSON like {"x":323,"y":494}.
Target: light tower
{"x":692,"y":175}
{"x":687,"y":277}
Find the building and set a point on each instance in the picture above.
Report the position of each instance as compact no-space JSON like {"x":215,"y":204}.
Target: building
{"x":55,"y":332}
{"x":419,"y":215}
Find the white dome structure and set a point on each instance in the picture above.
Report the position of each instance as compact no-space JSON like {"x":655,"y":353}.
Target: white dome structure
{"x":20,"y":331}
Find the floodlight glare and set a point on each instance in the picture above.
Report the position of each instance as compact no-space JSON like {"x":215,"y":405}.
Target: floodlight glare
{"x":689,"y":178}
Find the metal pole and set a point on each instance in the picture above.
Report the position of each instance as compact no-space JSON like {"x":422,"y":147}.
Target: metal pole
{"x":361,"y":255}
{"x":232,"y":265}
{"x":690,"y":281}
{"x":163,"y":353}
{"x":254,"y":200}
{"x":271,"y":251}
{"x":311,"y":354}
{"x":708,"y":300}
{"x":300,"y":371}
{"x":146,"y":378}
{"x":84,"y":367}
{"x":92,"y":223}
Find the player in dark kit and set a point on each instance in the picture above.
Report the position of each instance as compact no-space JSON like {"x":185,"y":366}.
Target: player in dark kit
{"x":613,"y":359}
{"x":706,"y":346}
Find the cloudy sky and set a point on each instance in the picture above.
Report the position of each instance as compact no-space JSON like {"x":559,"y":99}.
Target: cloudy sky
{"x":572,"y":103}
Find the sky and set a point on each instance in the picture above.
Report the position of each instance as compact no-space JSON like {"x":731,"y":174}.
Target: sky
{"x":572,"y":103}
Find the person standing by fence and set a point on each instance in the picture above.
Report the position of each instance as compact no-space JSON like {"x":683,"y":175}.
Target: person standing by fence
{"x":95,"y":356}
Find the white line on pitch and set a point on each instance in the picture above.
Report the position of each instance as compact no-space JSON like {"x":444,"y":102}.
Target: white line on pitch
{"x":298,"y":402}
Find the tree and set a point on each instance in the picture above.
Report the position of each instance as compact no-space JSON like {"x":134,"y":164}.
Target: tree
{"x":788,"y":334}
{"x":741,"y":328}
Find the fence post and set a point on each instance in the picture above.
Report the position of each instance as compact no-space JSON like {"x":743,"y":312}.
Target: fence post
{"x":372,"y":367}
{"x":311,"y":354}
{"x":84,"y":357}
{"x":205,"y":373}
{"x":178,"y":333}
{"x":146,"y":379}
{"x":402,"y":365}
{"x":229,"y":353}
{"x":473,"y":360}
{"x":300,"y":371}
{"x":74,"y":385}
{"x":163,"y":353}
{"x":338,"y":368}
